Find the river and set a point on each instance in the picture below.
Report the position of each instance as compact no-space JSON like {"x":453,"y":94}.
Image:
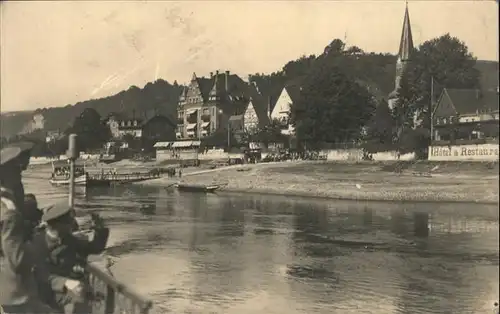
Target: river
{"x":196,"y":253}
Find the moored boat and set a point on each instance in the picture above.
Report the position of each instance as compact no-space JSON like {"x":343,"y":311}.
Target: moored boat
{"x":79,"y":181}
{"x":197,"y":188}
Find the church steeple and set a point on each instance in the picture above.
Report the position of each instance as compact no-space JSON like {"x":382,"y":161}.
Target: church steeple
{"x":404,"y":55}
{"x":406,"y":44}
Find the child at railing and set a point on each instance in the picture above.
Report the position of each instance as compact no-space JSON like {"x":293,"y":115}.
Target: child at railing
{"x":61,"y":258}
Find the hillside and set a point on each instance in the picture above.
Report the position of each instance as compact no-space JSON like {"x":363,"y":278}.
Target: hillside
{"x":160,"y":97}
{"x":374,"y":71}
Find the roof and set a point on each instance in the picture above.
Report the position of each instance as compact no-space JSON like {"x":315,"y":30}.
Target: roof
{"x":236,"y":96}
{"x":162,"y":144}
{"x":260,"y":104}
{"x":185,"y":144}
{"x":468,"y":101}
{"x":293,"y":91}
{"x":159,"y":117}
{"x":406,"y":43}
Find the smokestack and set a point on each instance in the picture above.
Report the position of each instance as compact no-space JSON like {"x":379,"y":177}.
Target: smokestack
{"x":227,"y":81}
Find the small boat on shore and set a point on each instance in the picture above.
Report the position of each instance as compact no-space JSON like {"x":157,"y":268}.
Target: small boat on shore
{"x":197,"y":188}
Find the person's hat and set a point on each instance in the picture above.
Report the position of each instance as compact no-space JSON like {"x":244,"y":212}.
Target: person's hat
{"x":9,"y":153}
{"x":56,"y":211}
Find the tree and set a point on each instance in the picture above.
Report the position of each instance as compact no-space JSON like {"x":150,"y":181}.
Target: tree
{"x":336,"y":47}
{"x":92,"y":133}
{"x":332,"y":108}
{"x":447,"y":61}
{"x":380,"y":130}
{"x":269,"y":134}
{"x":444,"y":60}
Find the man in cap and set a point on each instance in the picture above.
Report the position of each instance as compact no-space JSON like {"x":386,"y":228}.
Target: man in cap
{"x":17,"y":293}
{"x":61,"y":258}
{"x":17,"y":165}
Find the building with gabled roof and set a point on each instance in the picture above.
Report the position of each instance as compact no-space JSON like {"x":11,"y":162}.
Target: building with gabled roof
{"x":206,"y":104}
{"x":465,"y":114}
{"x":281,"y":112}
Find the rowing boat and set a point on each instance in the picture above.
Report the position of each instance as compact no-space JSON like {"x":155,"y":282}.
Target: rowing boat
{"x":197,"y":188}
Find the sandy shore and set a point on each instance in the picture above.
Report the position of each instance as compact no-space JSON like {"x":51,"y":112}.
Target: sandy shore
{"x":424,"y":181}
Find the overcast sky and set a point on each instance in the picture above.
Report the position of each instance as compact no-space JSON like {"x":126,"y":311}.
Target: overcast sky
{"x":58,"y":53}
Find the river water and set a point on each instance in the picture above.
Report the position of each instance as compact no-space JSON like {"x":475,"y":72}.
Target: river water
{"x":196,"y":253}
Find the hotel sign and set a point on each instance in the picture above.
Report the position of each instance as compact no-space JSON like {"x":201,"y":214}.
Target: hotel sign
{"x":483,"y":152}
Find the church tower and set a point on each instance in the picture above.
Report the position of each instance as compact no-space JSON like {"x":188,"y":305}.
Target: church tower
{"x":405,"y":49}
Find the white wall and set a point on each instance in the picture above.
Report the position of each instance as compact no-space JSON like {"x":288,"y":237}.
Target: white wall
{"x":282,"y":107}
{"x":357,"y":155}
{"x":481,"y":152}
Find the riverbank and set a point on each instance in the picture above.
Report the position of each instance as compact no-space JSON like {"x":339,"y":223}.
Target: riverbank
{"x":367,"y":181}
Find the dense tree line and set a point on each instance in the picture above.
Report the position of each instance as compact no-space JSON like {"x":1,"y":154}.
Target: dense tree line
{"x":159,"y":97}
{"x":343,"y":99}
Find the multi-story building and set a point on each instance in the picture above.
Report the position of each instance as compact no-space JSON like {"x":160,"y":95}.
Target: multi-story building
{"x":120,"y":126}
{"x":465,"y":115}
{"x":207,"y":103}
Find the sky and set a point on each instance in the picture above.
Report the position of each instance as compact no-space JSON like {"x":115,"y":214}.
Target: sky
{"x":61,"y":52}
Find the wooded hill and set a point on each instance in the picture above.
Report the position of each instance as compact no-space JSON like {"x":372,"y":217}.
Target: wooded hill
{"x":374,"y":71}
{"x":159,"y":97}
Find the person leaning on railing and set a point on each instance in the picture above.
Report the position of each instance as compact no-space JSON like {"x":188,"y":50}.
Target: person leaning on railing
{"x":61,"y":259}
{"x":17,"y":286}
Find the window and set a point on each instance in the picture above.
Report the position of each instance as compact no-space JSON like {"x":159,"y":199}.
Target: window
{"x":135,"y":123}
{"x":206,"y":111}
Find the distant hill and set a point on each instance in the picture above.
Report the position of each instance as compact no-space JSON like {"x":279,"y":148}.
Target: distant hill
{"x":159,"y":97}
{"x":374,"y":71}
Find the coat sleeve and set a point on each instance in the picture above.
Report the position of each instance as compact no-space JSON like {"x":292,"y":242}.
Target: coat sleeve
{"x":45,"y":273}
{"x":15,"y":249}
{"x":98,"y":243}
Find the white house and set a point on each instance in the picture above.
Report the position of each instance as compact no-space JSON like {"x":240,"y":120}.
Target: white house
{"x":250,"y":117}
{"x":281,"y":111}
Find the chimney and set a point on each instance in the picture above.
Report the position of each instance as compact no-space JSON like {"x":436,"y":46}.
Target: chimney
{"x":227,"y":81}
{"x":217,"y":72}
{"x":211,"y":74}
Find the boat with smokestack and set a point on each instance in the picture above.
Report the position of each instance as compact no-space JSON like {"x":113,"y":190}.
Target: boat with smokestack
{"x":106,"y":294}
{"x":61,"y":175}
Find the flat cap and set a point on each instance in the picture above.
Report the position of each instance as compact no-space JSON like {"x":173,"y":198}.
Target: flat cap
{"x":56,"y":211}
{"x":9,"y":153}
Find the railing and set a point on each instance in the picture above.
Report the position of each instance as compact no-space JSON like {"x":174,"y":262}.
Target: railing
{"x":109,"y":296}
{"x":126,"y":176}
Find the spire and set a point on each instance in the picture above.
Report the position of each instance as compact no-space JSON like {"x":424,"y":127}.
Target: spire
{"x":406,"y":44}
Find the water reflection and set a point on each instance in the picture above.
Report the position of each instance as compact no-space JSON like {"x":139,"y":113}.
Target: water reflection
{"x":200,"y":253}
